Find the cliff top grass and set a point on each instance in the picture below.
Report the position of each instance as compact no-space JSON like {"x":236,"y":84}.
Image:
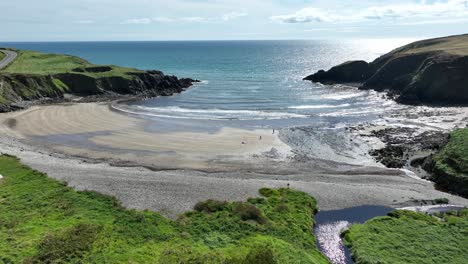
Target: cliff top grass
{"x":44,"y":221}
{"x":409,"y":237}
{"x":455,"y":45}
{"x":2,"y":55}
{"x":31,"y":62}
{"x":453,"y":158}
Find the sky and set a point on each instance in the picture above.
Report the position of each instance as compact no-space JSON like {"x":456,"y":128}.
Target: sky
{"x":109,"y":20}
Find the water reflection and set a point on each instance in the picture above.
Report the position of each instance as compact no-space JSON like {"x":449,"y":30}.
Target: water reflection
{"x":330,"y":224}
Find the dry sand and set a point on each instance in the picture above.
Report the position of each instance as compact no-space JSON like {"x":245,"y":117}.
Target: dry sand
{"x":215,"y":166}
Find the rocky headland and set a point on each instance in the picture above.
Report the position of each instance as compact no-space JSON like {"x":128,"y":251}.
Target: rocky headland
{"x":37,"y":77}
{"x":431,"y":72}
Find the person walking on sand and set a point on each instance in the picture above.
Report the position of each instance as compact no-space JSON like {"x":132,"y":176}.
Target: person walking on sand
{"x":260,"y":138}
{"x":273,"y":131}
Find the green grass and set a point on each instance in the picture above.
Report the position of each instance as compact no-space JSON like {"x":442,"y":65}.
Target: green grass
{"x":456,"y":45}
{"x":31,"y":62}
{"x":2,"y":55}
{"x":43,"y":221}
{"x":451,"y":163}
{"x":408,"y":237}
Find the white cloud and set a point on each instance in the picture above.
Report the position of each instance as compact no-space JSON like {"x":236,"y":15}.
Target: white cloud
{"x":193,"y":19}
{"x":437,"y":9}
{"x":163,"y":19}
{"x":137,"y":21}
{"x":234,"y":15}
{"x":307,"y":15}
{"x":85,"y":22}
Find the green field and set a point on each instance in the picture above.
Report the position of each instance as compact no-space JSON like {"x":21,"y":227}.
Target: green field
{"x":31,"y":62}
{"x":408,"y":237}
{"x":451,"y":163}
{"x":456,"y":45}
{"x":2,"y":55}
{"x":43,"y":221}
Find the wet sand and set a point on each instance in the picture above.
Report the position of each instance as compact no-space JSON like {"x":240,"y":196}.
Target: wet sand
{"x":92,"y":130}
{"x":102,"y":150}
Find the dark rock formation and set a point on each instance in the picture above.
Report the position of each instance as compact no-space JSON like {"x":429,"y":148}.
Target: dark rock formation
{"x":431,"y":72}
{"x":15,"y":88}
{"x":348,"y":72}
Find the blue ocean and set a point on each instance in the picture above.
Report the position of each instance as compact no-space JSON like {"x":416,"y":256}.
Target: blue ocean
{"x":256,"y":83}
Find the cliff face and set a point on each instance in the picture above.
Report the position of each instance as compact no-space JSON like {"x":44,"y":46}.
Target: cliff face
{"x":15,"y":88}
{"x":426,"y":72}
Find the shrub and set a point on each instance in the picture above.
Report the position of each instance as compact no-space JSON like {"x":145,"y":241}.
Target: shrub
{"x":260,"y":255}
{"x":69,"y":246}
{"x":282,"y":208}
{"x":248,"y":211}
{"x":210,"y":206}
{"x":441,"y":201}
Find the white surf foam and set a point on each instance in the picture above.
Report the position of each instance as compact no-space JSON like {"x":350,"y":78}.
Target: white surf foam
{"x":213,"y":114}
{"x":318,"y":106}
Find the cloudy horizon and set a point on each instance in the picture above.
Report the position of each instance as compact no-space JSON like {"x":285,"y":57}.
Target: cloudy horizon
{"x":106,"y":20}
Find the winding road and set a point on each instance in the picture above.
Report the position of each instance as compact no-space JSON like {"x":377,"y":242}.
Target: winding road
{"x":10,"y":56}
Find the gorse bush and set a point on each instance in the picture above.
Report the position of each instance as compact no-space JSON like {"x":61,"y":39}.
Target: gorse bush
{"x":66,"y":247}
{"x":261,"y":254}
{"x":210,"y":206}
{"x":248,"y":211}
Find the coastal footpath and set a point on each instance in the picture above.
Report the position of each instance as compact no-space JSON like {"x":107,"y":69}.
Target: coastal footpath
{"x":35,"y":76}
{"x":432,"y":72}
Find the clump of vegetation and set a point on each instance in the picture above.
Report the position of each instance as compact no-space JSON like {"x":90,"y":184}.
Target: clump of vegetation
{"x":248,"y":211}
{"x":441,"y":201}
{"x":410,"y":237}
{"x":66,"y":247}
{"x":210,"y":206}
{"x":43,"y":221}
{"x":451,"y":164}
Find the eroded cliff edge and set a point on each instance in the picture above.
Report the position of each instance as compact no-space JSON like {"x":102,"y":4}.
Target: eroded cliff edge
{"x":37,"y":76}
{"x":433,"y":72}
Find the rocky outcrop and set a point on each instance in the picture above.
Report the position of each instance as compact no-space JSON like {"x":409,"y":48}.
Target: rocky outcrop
{"x":348,"y":72}
{"x":433,"y":72}
{"x":15,"y":88}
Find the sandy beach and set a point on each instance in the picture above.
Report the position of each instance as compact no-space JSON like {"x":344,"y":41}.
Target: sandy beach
{"x":169,"y":172}
{"x":94,"y":131}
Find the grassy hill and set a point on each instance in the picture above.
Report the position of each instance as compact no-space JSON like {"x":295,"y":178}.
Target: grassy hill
{"x":31,"y":62}
{"x":408,"y":237}
{"x":36,"y":76}
{"x":455,"y":45}
{"x":450,"y":165}
{"x":43,"y":221}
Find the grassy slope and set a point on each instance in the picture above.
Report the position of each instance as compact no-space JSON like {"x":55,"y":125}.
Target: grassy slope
{"x":2,"y":55}
{"x":452,"y":162}
{"x":31,"y":62}
{"x":453,"y":158}
{"x":408,"y":237}
{"x":456,"y":45}
{"x":42,"y":220}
